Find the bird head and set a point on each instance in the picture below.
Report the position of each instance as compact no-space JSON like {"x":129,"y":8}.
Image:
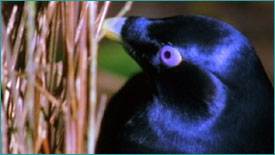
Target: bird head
{"x":160,"y":45}
{"x":197,"y":55}
{"x":167,"y":44}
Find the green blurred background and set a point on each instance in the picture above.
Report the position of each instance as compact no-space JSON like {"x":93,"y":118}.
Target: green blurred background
{"x":113,"y":58}
{"x":254,"y":19}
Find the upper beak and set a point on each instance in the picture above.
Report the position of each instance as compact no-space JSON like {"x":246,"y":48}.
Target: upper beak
{"x":112,"y":27}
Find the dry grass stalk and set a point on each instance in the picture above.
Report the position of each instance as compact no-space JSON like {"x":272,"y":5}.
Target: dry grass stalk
{"x":49,"y":76}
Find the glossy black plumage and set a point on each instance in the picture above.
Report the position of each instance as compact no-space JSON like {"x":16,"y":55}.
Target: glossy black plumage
{"x":217,"y":100}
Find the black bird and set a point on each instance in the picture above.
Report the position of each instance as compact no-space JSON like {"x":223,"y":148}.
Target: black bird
{"x":202,"y":90}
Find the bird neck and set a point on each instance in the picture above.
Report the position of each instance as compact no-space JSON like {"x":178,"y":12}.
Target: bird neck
{"x":197,"y":94}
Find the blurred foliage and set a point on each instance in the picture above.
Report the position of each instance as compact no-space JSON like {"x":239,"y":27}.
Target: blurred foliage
{"x":113,"y":57}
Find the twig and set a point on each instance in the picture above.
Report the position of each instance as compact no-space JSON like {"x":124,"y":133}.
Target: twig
{"x":68,"y":139}
{"x":4,"y":135}
{"x":37,"y":107}
{"x":81,"y":80}
{"x":53,"y":47}
{"x":127,"y":7}
{"x":46,"y":146}
{"x":11,"y":20}
{"x":102,"y":17}
{"x":30,"y":69}
{"x":51,"y":9}
{"x":100,"y":112}
{"x":18,"y":40}
{"x":92,"y":77}
{"x":84,"y":9}
{"x":70,"y":90}
{"x":70,"y":55}
{"x":6,"y":56}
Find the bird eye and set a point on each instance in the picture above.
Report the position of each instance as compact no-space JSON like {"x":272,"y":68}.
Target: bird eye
{"x":170,"y":56}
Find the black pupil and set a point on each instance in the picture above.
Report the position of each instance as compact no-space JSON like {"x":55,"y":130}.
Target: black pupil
{"x":167,"y":54}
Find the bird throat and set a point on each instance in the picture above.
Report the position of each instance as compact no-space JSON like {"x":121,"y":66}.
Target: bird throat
{"x":196,"y":94}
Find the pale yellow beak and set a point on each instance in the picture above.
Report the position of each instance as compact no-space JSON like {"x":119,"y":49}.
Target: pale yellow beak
{"x":112,"y":28}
